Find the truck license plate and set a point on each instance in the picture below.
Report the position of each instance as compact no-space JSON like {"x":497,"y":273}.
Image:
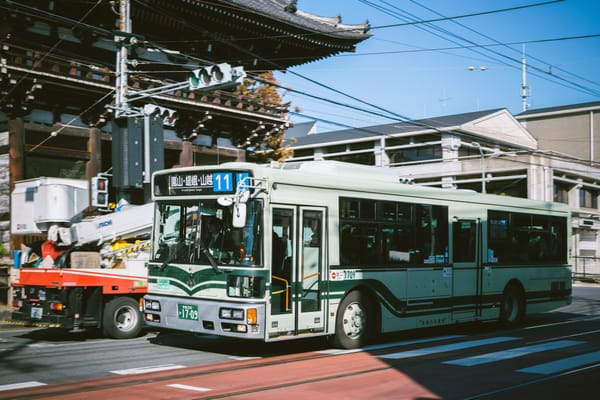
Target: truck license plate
{"x":37,"y":312}
{"x":187,"y":311}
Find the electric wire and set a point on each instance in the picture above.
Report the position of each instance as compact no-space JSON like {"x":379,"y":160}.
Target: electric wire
{"x":402,"y":118}
{"x":396,"y":12}
{"x":504,"y":45}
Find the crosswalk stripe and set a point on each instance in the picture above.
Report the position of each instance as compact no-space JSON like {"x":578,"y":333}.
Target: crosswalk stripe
{"x":21,"y":385}
{"x":447,"y":347}
{"x":563,"y":364}
{"x":512,"y":353}
{"x":388,"y":345}
{"x":143,"y":370}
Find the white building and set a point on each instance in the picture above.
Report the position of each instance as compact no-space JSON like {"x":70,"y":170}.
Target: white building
{"x":549,"y":155}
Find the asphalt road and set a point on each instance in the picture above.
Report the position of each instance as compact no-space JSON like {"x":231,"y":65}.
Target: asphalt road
{"x":555,"y":355}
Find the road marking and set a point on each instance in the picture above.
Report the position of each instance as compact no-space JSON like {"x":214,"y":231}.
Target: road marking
{"x":563,"y":365}
{"x":388,"y":345}
{"x":569,"y":321}
{"x":447,"y":347}
{"x":22,"y":385}
{"x":143,"y":370}
{"x":512,"y":353}
{"x":242,"y":358}
{"x":188,"y":387}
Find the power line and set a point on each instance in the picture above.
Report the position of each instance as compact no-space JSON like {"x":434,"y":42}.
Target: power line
{"x":444,"y":18}
{"x":421,"y":50}
{"x":518,"y":51}
{"x":396,"y":12}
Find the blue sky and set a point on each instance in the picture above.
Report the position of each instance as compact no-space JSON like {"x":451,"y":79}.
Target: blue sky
{"x":425,"y":72}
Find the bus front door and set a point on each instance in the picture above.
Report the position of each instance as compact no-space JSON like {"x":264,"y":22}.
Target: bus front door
{"x":467,"y":270}
{"x":298,"y":262}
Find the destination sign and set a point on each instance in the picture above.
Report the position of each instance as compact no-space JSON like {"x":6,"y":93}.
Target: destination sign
{"x":199,"y":182}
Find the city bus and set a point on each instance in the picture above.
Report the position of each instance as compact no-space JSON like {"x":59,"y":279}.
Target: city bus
{"x":325,"y":248}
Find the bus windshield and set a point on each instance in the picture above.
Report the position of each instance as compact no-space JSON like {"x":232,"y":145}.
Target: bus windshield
{"x":201,"y":232}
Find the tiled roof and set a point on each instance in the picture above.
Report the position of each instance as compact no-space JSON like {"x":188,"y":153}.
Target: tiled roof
{"x":289,"y":12}
{"x":376,"y":131}
{"x":558,"y":109}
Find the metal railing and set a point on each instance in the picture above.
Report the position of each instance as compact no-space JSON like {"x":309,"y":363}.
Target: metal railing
{"x":586,"y":268}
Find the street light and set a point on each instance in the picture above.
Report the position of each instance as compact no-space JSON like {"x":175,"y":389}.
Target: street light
{"x":482,"y":68}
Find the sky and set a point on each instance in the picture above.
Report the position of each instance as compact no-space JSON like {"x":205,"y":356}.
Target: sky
{"x":452,"y":66}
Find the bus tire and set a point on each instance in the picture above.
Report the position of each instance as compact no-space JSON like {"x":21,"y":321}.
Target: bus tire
{"x":512,"y":307}
{"x":122,"y":318}
{"x":355,"y":321}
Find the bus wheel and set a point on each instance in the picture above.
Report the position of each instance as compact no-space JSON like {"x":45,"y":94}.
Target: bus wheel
{"x":353,"y":322}
{"x":122,"y":318}
{"x":512,"y":308}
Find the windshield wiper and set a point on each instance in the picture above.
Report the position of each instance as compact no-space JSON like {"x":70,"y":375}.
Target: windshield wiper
{"x":211,"y":259}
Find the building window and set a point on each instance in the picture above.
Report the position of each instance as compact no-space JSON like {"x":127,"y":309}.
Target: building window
{"x":360,"y":158}
{"x":561,"y":193}
{"x":588,"y":198}
{"x":37,"y":166}
{"x":424,"y":153}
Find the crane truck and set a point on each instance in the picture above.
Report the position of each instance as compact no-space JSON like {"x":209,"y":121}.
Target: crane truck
{"x":88,"y":275}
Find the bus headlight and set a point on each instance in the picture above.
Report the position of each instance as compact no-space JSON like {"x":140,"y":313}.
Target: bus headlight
{"x":151,"y":305}
{"x":244,"y":286}
{"x":231,"y":313}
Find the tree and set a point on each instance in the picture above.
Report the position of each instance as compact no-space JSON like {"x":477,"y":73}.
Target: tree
{"x":262,"y":91}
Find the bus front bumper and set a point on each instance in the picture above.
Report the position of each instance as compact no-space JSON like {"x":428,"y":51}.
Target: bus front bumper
{"x":206,"y":317}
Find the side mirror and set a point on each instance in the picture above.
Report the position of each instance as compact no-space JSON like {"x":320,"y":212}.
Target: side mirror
{"x":238,"y":204}
{"x":239,"y":215}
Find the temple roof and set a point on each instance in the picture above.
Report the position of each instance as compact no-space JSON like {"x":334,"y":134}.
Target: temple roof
{"x":70,"y":45}
{"x":284,"y":10}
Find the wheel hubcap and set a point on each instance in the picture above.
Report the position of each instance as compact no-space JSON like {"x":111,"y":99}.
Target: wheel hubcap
{"x":354,"y":320}
{"x":125,"y":319}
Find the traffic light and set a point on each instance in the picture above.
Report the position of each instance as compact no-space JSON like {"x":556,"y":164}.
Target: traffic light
{"x":168,"y":116}
{"x":218,"y":76}
{"x":100,"y":192}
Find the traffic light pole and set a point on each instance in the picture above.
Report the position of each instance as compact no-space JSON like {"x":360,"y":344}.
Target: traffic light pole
{"x":127,"y":174}
{"x":121,"y":104}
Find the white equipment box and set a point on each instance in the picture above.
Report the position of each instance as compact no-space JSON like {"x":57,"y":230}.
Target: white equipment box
{"x":39,"y":203}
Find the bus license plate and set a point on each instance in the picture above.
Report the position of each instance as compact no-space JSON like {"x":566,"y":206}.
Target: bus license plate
{"x":187,"y":311}
{"x":37,"y":312}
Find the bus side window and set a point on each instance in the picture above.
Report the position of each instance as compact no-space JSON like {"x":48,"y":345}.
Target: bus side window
{"x":349,"y":245}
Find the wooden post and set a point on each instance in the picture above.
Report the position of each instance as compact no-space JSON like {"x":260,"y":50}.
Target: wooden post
{"x":94,"y":166}
{"x":186,"y":157}
{"x":16,"y":163}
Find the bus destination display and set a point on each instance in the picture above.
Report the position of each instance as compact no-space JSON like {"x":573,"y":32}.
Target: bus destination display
{"x":204,"y":183}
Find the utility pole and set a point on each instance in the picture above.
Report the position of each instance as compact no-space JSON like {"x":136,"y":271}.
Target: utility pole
{"x":121,"y":62}
{"x":524,"y":87}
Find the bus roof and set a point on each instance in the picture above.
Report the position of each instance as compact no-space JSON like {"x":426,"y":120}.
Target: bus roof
{"x":370,"y":179}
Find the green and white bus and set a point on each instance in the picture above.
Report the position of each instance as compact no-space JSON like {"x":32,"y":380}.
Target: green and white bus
{"x":275,"y":252}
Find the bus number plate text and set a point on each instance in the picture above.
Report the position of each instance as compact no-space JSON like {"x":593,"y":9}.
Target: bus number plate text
{"x":187,"y":311}
{"x":342,"y":275}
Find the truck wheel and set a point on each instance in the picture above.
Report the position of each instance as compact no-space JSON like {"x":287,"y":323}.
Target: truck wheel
{"x":122,"y":318}
{"x":355,"y":321}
